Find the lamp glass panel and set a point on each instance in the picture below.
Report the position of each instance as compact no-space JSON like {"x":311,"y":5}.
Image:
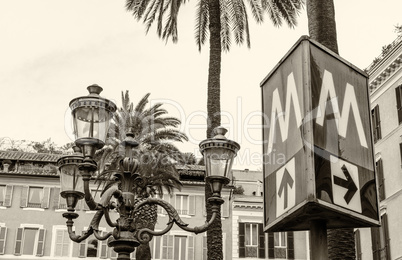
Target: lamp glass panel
{"x":91,"y":122}
{"x":70,"y":179}
{"x":219,"y":161}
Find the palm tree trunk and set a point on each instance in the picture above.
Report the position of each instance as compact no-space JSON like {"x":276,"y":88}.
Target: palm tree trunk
{"x":214,"y":72}
{"x":321,"y":23}
{"x":322,"y":28}
{"x":214,"y":234}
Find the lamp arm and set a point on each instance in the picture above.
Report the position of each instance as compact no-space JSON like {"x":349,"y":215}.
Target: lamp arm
{"x":105,"y":203}
{"x":200,"y":229}
{"x":144,"y":235}
{"x":74,"y":237}
{"x":99,"y":237}
{"x":107,"y":217}
{"x":89,"y":200}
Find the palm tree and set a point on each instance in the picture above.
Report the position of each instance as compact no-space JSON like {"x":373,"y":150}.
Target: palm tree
{"x":157,"y":156}
{"x":322,"y":28}
{"x":219,"y":19}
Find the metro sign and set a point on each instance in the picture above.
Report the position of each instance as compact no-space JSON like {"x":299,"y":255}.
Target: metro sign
{"x":317,"y":117}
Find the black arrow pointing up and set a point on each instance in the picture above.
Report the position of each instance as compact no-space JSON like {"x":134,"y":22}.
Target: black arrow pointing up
{"x":348,"y":184}
{"x":283,"y":187}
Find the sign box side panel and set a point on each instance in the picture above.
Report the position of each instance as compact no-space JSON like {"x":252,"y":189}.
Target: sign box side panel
{"x":342,"y":136}
{"x":284,"y":156}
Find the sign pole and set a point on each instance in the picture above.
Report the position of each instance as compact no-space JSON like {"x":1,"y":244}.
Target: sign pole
{"x":318,"y":240}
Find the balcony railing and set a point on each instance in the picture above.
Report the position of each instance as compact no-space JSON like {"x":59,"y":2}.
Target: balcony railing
{"x":34,"y":205}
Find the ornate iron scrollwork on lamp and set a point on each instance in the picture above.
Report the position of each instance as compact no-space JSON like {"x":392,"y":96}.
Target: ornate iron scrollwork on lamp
{"x":91,"y":116}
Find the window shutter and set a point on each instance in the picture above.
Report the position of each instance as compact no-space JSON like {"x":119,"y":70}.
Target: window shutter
{"x":9,"y":195}
{"x":204,"y":248}
{"x":358,"y":245}
{"x":375,"y":241}
{"x":384,"y":219}
{"x":82,"y":249}
{"x":261,"y":241}
{"x":204,"y":209}
{"x":56,"y":197}
{"x":191,"y":205}
{"x":159,"y":208}
{"x":271,"y":245}
{"x":290,"y":245}
{"x":378,"y":122}
{"x":242,"y":241}
{"x":190,"y":248}
{"x":3,"y":236}
{"x":225,"y":208}
{"x":103,"y":249}
{"x":24,"y":196}
{"x":41,"y":242}
{"x":166,"y":197}
{"x":380,"y":176}
{"x":172,"y":201}
{"x":399,"y":103}
{"x":46,"y":198}
{"x":18,"y":241}
{"x":170,"y":246}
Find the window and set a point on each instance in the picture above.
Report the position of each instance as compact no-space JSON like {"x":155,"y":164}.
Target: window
{"x":92,"y":247}
{"x":35,"y":197}
{"x":251,"y":240}
{"x":281,"y":245}
{"x":182,"y":204}
{"x":380,"y":240}
{"x":380,"y":178}
{"x":185,"y":204}
{"x":398,"y":94}
{"x":3,"y":237}
{"x":29,"y":241}
{"x":375,"y":119}
{"x":6,"y":193}
{"x":61,"y":243}
{"x":172,"y":247}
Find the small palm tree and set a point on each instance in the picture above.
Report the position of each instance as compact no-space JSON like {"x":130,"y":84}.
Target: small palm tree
{"x":156,"y":153}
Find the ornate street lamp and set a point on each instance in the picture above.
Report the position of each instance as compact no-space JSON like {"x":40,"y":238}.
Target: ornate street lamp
{"x":91,"y":115}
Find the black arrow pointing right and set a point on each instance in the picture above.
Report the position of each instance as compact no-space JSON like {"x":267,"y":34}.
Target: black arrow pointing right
{"x":348,"y":184}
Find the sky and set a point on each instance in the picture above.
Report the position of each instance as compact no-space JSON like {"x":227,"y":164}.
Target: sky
{"x":51,"y":50}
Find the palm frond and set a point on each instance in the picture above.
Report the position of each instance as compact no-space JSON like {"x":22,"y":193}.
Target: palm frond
{"x":139,"y":108}
{"x":225,"y":25}
{"x":257,"y":10}
{"x":237,"y":17}
{"x":201,"y":24}
{"x":273,"y":12}
{"x":246,"y":27}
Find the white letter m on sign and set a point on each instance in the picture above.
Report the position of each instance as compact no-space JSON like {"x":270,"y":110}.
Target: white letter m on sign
{"x":349,"y":103}
{"x":283,"y":117}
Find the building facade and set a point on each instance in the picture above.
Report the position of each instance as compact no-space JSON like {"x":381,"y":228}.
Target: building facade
{"x":32,"y":226}
{"x":385,"y":85}
{"x":249,"y":239}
